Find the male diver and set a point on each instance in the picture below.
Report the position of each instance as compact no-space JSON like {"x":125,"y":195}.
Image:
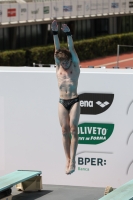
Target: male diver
{"x":67,"y":71}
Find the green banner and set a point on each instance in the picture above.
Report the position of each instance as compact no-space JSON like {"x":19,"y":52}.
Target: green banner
{"x":94,"y":133}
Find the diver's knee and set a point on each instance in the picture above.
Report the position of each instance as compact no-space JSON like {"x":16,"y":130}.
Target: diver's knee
{"x":65,"y":130}
{"x":74,"y":130}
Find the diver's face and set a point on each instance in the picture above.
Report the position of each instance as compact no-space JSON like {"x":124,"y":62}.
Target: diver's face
{"x":65,"y":63}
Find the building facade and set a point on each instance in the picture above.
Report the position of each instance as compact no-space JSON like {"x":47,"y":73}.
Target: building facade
{"x":27,"y":24}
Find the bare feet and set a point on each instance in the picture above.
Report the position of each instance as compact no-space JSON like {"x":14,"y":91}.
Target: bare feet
{"x":67,"y":166}
{"x":71,"y":168}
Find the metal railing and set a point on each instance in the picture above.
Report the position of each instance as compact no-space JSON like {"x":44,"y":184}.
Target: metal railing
{"x":118,"y":52}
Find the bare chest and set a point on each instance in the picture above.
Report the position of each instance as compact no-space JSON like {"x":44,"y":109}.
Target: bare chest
{"x":65,"y":75}
{"x":70,"y":74}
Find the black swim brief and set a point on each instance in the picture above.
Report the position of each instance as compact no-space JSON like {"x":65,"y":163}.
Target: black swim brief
{"x":69,"y":102}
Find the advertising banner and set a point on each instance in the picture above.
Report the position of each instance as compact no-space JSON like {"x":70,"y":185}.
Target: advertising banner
{"x":75,"y":8}
{"x":111,"y":6}
{"x":32,"y":11}
{"x":80,"y":8}
{"x":13,"y":12}
{"x":100,"y":7}
{"x":23,"y":12}
{"x":54,"y":9}
{"x":117,"y":6}
{"x":5,"y":14}
{"x":32,"y":129}
{"x":123,"y":6}
{"x":87,"y":9}
{"x":67,"y":8}
{"x":39,"y":14}
{"x":114,"y":6}
{"x":131,"y":5}
{"x":59,"y":8}
{"x":105,"y":8}
{"x":93,"y":7}
{"x":47,"y":10}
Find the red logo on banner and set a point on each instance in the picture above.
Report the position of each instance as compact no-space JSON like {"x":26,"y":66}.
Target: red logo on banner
{"x":11,"y":12}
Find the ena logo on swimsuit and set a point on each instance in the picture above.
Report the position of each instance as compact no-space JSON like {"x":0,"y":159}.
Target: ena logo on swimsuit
{"x":95,"y":103}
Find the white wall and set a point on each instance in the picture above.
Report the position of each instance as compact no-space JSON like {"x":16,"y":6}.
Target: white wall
{"x":30,"y":134}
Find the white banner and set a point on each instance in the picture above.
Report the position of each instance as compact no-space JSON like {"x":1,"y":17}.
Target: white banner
{"x":54,"y":9}
{"x":47,"y":10}
{"x":67,"y":8}
{"x":59,"y":9}
{"x":62,"y":8}
{"x":87,"y":9}
{"x":117,"y":6}
{"x":5,"y":13}
{"x":80,"y":8}
{"x":74,"y":8}
{"x":100,"y":7}
{"x":130,"y":5}
{"x":32,"y":131}
{"x":13,"y":12}
{"x":93,"y":7}
{"x":123,"y":6}
{"x":32,"y":11}
{"x":111,"y":6}
{"x":23,"y":12}
{"x":105,"y":7}
{"x":39,"y":14}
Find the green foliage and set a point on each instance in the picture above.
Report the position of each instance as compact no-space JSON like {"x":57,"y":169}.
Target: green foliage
{"x":41,"y":54}
{"x":12,"y":58}
{"x":86,"y":49}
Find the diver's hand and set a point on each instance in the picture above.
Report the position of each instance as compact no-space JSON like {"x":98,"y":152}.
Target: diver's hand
{"x":65,"y":28}
{"x":54,"y":26}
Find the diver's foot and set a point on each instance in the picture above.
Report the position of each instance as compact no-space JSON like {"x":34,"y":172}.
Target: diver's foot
{"x":71,"y":167}
{"x":67,"y":166}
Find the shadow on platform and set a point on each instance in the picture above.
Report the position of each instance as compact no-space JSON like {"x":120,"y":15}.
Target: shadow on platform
{"x":31,"y":195}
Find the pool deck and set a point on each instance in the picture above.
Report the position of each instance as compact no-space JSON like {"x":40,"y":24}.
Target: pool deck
{"x":54,"y":192}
